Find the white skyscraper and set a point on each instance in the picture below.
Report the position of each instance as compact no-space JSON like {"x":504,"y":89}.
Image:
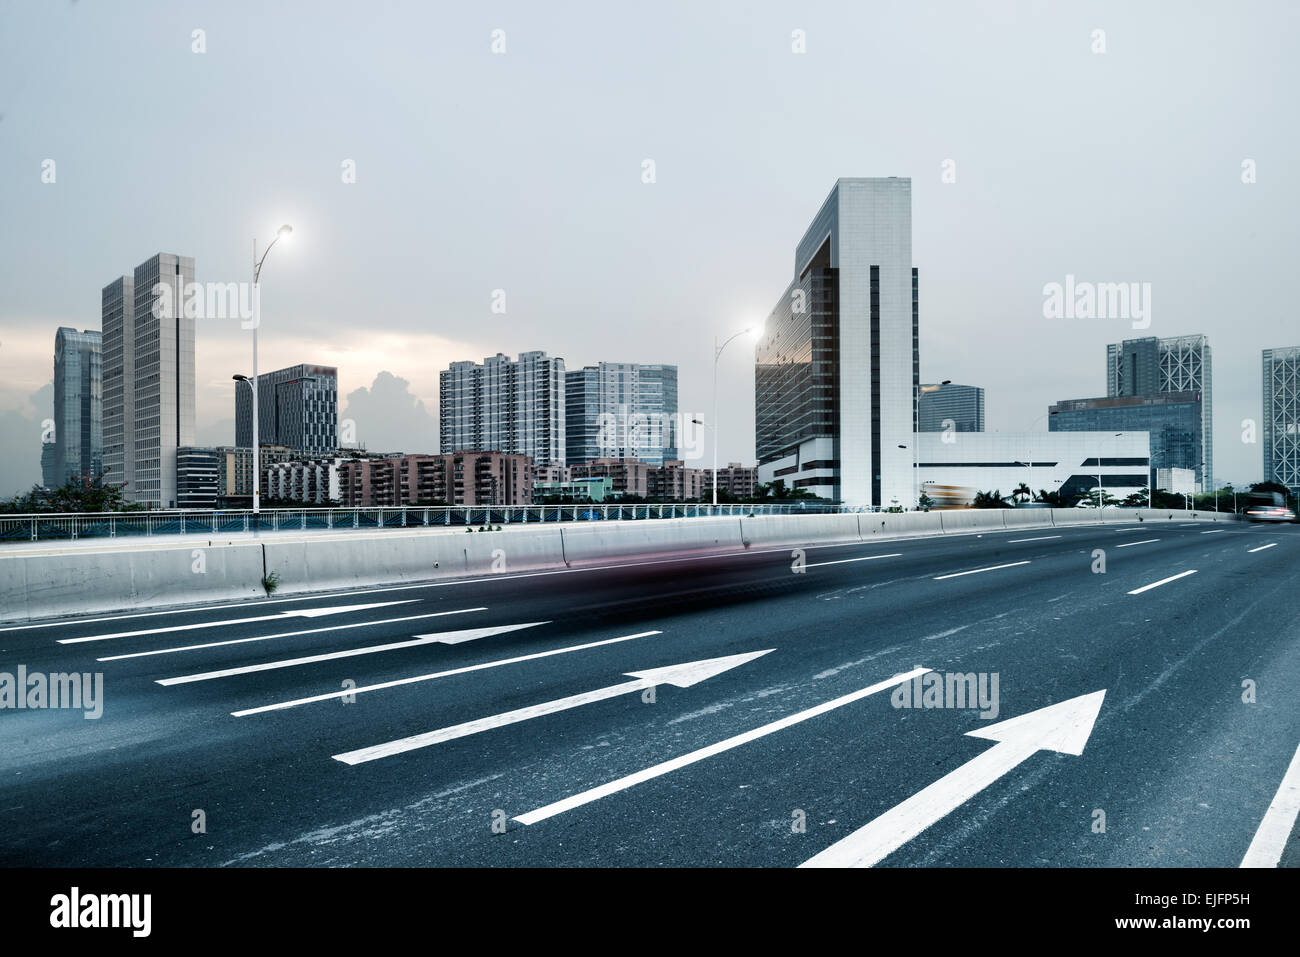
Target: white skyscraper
{"x":148,"y":379}
{"x":838,"y":364}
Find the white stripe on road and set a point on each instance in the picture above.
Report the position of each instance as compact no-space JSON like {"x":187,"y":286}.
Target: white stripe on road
{"x":298,"y":613}
{"x":1163,"y":581}
{"x":1270,"y":840}
{"x":1215,"y":531}
{"x":658,"y":770}
{"x":976,"y":571}
{"x":290,"y":634}
{"x":1145,"y":541}
{"x":1041,"y":538}
{"x":843,"y":560}
{"x":312,"y":659}
{"x":279,"y":706}
{"x":1262,"y":547}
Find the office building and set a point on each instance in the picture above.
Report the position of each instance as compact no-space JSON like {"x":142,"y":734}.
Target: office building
{"x":197,"y":477}
{"x":1282,"y":417}
{"x":951,"y":408}
{"x":78,"y":405}
{"x":1068,"y":463}
{"x":297,"y":407}
{"x":621,"y":410}
{"x":574,"y":490}
{"x":1150,"y":366}
{"x":1174,"y":421}
{"x":837,"y":370}
{"x":516,"y":407}
{"x":50,"y":465}
{"x":148,"y":378}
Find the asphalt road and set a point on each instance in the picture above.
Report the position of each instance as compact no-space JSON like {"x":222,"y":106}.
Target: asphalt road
{"x":767,"y":759}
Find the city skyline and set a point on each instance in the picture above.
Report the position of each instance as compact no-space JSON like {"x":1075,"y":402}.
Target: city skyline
{"x":985,"y":244}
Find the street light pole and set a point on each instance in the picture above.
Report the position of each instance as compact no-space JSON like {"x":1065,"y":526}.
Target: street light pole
{"x":717,"y":354}
{"x":257,"y":321}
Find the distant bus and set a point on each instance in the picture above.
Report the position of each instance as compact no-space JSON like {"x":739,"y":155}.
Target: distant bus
{"x":948,"y":496}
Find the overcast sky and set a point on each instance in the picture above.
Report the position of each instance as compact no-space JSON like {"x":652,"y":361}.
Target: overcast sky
{"x":523,"y":171}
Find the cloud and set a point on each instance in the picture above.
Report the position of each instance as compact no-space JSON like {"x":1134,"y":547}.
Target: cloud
{"x":388,"y":417}
{"x":20,"y":437}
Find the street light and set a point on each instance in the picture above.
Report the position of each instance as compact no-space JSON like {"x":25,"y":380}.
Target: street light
{"x":717,"y":354}
{"x":281,"y":233}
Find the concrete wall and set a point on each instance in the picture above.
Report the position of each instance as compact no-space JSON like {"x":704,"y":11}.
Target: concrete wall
{"x":39,"y":585}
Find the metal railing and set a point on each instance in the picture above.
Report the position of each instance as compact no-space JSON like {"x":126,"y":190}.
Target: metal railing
{"x":71,"y":526}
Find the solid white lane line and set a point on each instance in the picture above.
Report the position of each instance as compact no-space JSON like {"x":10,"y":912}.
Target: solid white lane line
{"x":289,"y":634}
{"x":1145,"y":541}
{"x":1041,"y":538}
{"x":1270,"y":839}
{"x":842,"y":561}
{"x":622,"y":784}
{"x":1163,"y":581}
{"x":312,"y":659}
{"x":1262,"y":547}
{"x":281,"y":705}
{"x":976,"y":571}
{"x":296,"y":613}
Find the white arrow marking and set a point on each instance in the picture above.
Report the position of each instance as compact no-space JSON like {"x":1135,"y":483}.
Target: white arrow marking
{"x":683,"y":676}
{"x":296,"y":613}
{"x":294,"y":634}
{"x":349,"y":653}
{"x":1063,"y":727}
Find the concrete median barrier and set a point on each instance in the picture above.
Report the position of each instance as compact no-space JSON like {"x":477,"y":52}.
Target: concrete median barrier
{"x":77,"y":583}
{"x":800,"y":529}
{"x":972,"y":520}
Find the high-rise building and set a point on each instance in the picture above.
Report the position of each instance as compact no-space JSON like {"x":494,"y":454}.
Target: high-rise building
{"x":148,"y":378}
{"x":1282,"y":417}
{"x":621,"y":410}
{"x":962,"y":405}
{"x":1150,"y":366}
{"x":297,"y":407}
{"x":838,"y":367}
{"x":78,"y":404}
{"x":1174,"y":420}
{"x":516,"y":407}
{"x":50,"y":465}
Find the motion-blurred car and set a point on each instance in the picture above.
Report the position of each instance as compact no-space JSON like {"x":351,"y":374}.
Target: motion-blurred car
{"x":1268,"y":507}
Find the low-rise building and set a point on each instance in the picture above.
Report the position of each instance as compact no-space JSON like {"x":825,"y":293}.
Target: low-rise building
{"x":454,"y":478}
{"x":674,"y":481}
{"x":736,"y":480}
{"x":629,"y":478}
{"x":309,"y":481}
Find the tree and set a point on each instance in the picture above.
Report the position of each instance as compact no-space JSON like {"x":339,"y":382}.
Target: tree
{"x":992,"y":499}
{"x":1136,"y":500}
{"x":1022,"y":489}
{"x":84,"y":494}
{"x":925,"y":503}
